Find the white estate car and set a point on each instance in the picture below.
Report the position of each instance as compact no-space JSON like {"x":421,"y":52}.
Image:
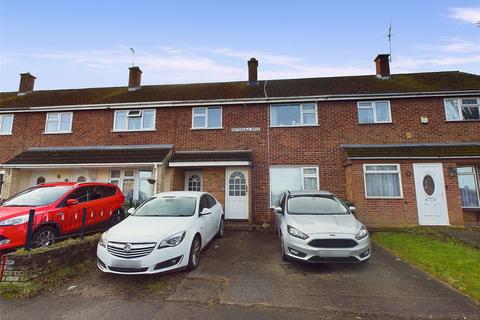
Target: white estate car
{"x":167,"y":232}
{"x":315,"y":226}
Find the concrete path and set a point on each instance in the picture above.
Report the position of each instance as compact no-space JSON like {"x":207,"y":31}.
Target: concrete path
{"x":468,"y":236}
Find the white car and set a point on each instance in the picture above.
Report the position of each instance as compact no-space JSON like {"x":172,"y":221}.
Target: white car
{"x":167,"y":232}
{"x":315,"y":226}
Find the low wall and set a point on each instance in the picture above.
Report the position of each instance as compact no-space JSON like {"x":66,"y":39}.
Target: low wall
{"x":24,"y":266}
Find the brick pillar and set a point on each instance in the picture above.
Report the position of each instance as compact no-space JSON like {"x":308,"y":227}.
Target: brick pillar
{"x":11,"y":183}
{"x":158,"y":175}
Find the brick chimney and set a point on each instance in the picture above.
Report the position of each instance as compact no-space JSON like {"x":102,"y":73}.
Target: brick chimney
{"x":134,"y":78}
{"x":27,"y":81}
{"x":382,"y":64}
{"x":252,"y":72}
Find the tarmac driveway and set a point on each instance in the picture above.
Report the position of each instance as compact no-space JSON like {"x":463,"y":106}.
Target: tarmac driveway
{"x":244,"y":268}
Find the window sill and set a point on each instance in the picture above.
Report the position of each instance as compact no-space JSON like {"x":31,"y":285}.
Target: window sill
{"x":384,"y":198}
{"x":373,"y":123}
{"x":142,"y":130}
{"x":462,"y":121}
{"x":471,"y":209}
{"x":50,"y":133}
{"x":297,"y":126}
{"x":6,"y":134}
{"x":220,"y":128}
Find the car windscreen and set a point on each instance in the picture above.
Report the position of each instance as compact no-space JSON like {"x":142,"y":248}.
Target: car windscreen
{"x":38,"y":196}
{"x":315,"y":205}
{"x":167,"y":207}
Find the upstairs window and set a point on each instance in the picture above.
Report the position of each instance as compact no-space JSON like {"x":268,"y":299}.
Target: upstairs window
{"x":207,"y":118}
{"x":134,"y":120}
{"x":59,"y":122}
{"x":463,"y":109}
{"x":6,"y":124}
{"x":374,"y":112}
{"x":293,"y":115}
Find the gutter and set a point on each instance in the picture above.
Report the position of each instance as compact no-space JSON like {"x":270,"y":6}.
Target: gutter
{"x":266,"y":99}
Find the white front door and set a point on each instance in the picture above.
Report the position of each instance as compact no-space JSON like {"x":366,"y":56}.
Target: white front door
{"x":236,"y":193}
{"x":193,"y":180}
{"x":430,"y":190}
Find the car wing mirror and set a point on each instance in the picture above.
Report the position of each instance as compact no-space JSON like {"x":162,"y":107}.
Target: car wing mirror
{"x":278,"y":210}
{"x":205,"y":211}
{"x":131,"y":211}
{"x":72,"y":202}
{"x":352,"y":209}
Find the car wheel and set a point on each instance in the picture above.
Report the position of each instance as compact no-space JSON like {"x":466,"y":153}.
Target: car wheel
{"x":221,"y":228}
{"x":194,"y":257}
{"x":44,"y":237}
{"x":282,"y":245}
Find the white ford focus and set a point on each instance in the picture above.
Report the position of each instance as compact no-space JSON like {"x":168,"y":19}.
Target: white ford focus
{"x":167,"y":232}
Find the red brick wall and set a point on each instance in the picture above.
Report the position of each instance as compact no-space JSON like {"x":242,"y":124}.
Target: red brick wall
{"x":318,"y":145}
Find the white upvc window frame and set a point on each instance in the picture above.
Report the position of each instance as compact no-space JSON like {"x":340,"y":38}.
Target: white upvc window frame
{"x":303,"y":175}
{"x":302,"y":112}
{"x":373,"y":106}
{"x":205,"y":115}
{"x":397,"y":171}
{"x":59,"y":116}
{"x":2,"y":116}
{"x":310,"y":175}
{"x":459,"y":108}
{"x":476,"y":178}
{"x":127,"y":116}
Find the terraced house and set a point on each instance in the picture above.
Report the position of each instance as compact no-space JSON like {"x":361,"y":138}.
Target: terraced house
{"x":404,"y":148}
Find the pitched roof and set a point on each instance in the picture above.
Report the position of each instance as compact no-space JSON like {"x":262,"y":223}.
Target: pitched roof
{"x":212,"y":155}
{"x":420,"y":150}
{"x":336,"y":86}
{"x":91,"y":155}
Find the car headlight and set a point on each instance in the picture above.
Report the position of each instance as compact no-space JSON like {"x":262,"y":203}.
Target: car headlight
{"x":15,"y":221}
{"x":173,"y":240}
{"x":362,"y":233}
{"x":103,"y":240}
{"x":296,"y":233}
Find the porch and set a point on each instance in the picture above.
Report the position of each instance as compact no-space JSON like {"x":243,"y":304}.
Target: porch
{"x":226,"y":174}
{"x":136,"y":169}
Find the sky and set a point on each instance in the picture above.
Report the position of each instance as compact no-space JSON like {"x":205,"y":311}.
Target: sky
{"x":78,"y":44}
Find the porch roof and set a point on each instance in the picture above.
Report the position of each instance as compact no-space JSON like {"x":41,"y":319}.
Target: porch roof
{"x":414,"y":151}
{"x":90,"y":155}
{"x":210,"y":158}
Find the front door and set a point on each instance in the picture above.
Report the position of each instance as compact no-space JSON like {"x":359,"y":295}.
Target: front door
{"x":430,"y":190}
{"x":193,"y":181}
{"x":236,"y":194}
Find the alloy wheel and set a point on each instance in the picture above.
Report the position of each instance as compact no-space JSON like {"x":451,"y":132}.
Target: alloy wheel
{"x":45,"y":238}
{"x":196,"y":252}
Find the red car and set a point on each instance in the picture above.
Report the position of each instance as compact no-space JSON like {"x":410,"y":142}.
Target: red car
{"x":58,"y":211}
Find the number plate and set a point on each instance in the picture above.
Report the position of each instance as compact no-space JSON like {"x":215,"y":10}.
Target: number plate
{"x":333,"y":253}
{"x":126,"y":263}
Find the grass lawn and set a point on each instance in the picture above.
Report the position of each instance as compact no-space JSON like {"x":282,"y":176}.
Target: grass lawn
{"x":444,"y":258}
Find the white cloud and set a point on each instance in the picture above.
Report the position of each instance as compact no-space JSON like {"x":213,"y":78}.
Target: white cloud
{"x":471,"y":15}
{"x":190,"y":64}
{"x":409,"y":64}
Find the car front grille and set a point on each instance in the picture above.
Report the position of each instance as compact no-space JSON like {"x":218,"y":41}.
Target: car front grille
{"x":128,"y":270}
{"x":333,"y":259}
{"x":333,"y":243}
{"x":128,"y":250}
